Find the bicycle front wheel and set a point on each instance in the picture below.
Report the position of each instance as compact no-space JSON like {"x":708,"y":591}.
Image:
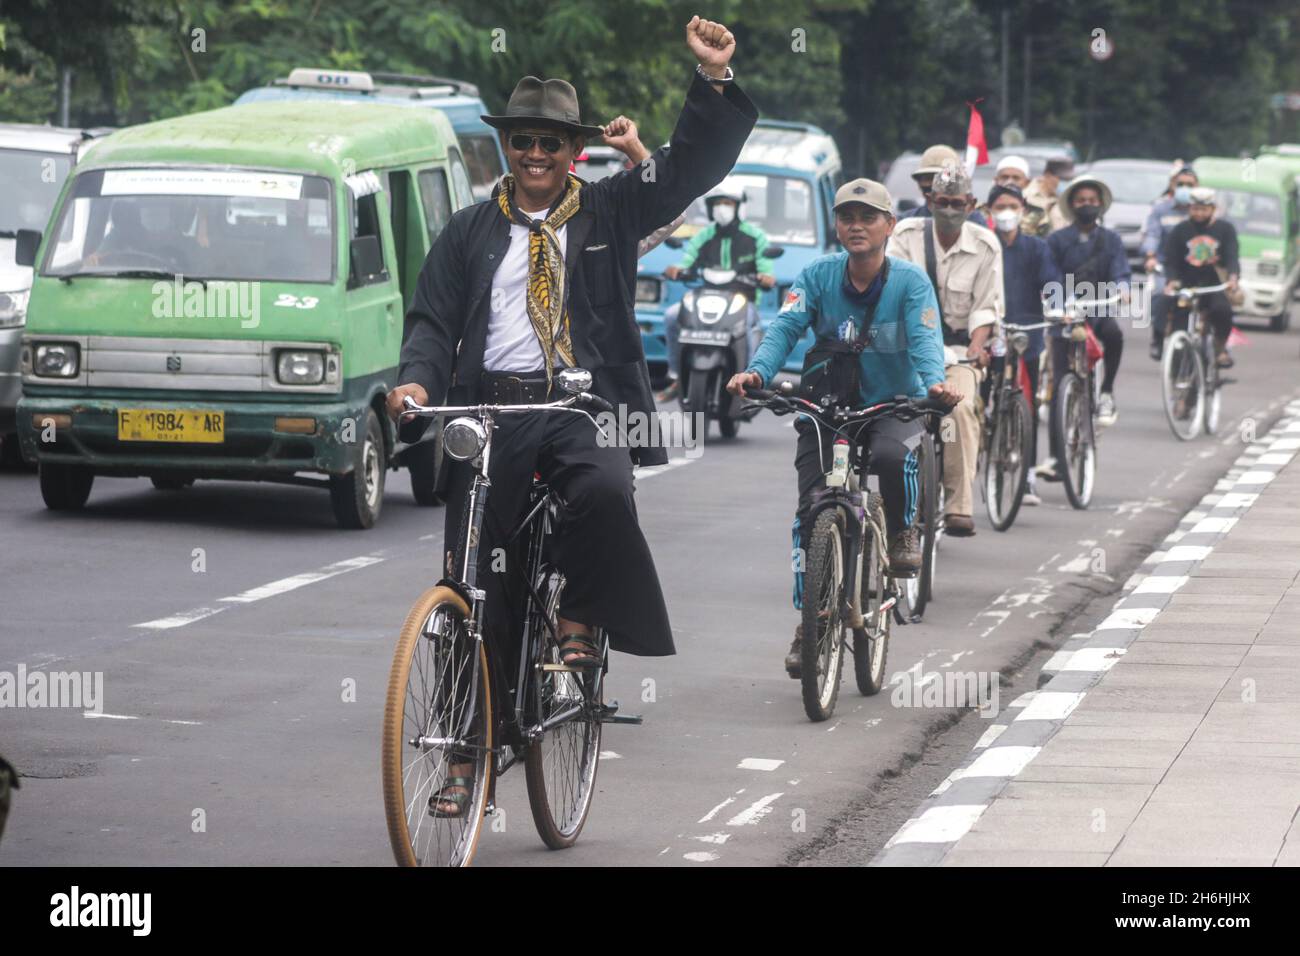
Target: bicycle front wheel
{"x":1073,"y":424}
{"x":560,"y":767}
{"x":823,"y":620}
{"x":438,"y":716}
{"x":1008,"y":460}
{"x":1182,"y":381}
{"x":1213,"y":397}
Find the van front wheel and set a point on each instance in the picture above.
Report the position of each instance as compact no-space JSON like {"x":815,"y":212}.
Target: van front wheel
{"x":358,"y":495}
{"x":65,"y":487}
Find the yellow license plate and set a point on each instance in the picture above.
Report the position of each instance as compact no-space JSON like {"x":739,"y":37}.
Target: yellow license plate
{"x":154,"y":424}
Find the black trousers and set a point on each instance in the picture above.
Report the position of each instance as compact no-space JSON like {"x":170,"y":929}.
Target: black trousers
{"x":1216,"y":308}
{"x":610,"y":576}
{"x":894,"y":459}
{"x":1111,"y":336}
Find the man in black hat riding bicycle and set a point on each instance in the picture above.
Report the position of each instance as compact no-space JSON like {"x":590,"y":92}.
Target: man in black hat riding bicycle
{"x":539,"y":278}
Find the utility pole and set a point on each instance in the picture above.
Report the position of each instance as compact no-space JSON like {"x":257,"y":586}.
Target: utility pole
{"x":65,"y":94}
{"x":1029,"y":54}
{"x":1006,"y":65}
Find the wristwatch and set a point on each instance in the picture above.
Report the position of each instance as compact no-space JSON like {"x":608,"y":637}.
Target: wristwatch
{"x":729,"y":78}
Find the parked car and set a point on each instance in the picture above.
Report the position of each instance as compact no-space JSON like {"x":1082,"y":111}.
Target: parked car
{"x":598,"y":162}
{"x":1134,"y":185}
{"x":479,"y":144}
{"x":1260,"y":199}
{"x":789,"y":172}
{"x":221,"y":296}
{"x":34,"y":163}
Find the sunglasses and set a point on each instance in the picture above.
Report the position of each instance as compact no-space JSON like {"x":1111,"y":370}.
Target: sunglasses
{"x":523,"y":142}
{"x":949,"y":203}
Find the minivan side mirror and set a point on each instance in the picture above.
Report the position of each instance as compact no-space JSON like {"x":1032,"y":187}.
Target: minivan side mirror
{"x":26,"y":242}
{"x":366,"y":262}
{"x":775,"y":252}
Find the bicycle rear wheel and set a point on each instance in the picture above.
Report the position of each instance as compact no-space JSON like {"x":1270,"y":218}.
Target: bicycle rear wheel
{"x":1008,"y":460}
{"x":871,"y":644}
{"x":1073,"y":424}
{"x":560,"y":767}
{"x":438,"y":711}
{"x":915,"y":592}
{"x":1182,"y":382}
{"x":823,"y":622}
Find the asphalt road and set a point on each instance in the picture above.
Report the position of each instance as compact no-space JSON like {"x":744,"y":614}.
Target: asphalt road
{"x":227,"y":736}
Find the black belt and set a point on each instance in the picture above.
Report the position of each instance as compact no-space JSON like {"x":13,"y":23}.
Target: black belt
{"x":514,"y":388}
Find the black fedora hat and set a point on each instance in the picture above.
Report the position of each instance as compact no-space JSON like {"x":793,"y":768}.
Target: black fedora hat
{"x":543,"y":101}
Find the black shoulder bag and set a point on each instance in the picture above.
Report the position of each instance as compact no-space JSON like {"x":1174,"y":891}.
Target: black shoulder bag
{"x":832,"y":369}
{"x":951,"y":336}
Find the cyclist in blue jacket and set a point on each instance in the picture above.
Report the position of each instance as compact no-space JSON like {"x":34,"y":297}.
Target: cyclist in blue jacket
{"x":834,"y":295}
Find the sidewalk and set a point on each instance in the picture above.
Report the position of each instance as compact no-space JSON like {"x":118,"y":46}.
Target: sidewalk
{"x":1170,"y":735}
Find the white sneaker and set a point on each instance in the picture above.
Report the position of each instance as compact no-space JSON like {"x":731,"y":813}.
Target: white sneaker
{"x":1031,"y":494}
{"x":1106,"y":413}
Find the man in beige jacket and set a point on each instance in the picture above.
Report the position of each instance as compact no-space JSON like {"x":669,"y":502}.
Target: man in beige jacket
{"x":1044,"y":215}
{"x":964,"y":262}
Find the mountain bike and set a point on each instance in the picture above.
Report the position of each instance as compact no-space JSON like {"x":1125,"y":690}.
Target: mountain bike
{"x":449,"y":702}
{"x":848,"y":584}
{"x":1189,"y":369}
{"x":1008,"y":434}
{"x":1073,"y":422}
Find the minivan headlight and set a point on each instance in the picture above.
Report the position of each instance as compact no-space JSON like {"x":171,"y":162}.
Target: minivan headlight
{"x":300,"y":367}
{"x":13,"y":308}
{"x":57,"y":359}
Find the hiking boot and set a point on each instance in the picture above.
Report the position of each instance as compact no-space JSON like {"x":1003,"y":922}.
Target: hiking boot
{"x":905,"y":553}
{"x":794,"y":660}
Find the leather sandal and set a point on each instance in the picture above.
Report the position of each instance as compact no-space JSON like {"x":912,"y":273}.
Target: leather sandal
{"x":578,"y":650}
{"x":459,"y":800}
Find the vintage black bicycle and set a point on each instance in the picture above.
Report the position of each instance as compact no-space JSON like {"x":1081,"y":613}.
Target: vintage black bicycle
{"x":848,"y":586}
{"x":1009,"y":430}
{"x":450,"y":701}
{"x":1189,"y":369}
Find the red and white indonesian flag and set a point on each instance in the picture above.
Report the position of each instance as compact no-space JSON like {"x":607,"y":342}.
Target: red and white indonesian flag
{"x":977,"y":150}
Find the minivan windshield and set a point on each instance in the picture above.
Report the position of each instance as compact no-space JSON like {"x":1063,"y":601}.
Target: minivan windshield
{"x":201,"y":223}
{"x":781,"y":206}
{"x":32,"y":181}
{"x":1255,"y":214}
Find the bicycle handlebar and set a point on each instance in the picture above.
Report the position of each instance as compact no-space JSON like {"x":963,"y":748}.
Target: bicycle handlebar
{"x":1201,"y":290}
{"x":413,"y":409}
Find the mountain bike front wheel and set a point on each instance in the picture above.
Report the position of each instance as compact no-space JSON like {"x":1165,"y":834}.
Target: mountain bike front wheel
{"x":823,"y":620}
{"x":437,"y":721}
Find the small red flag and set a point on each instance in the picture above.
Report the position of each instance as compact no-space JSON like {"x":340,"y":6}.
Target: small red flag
{"x":977,"y":149}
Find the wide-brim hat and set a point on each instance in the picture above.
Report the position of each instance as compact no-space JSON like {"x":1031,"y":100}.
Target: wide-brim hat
{"x":1064,"y":205}
{"x":543,"y":101}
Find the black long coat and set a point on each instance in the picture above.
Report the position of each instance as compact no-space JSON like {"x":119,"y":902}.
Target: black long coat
{"x":446,"y":326}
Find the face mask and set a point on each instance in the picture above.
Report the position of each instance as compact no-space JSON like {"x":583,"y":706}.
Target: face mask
{"x":1182,"y":195}
{"x":950,"y":219}
{"x":1087,"y":214}
{"x":724,"y":214}
{"x":1006,"y":220}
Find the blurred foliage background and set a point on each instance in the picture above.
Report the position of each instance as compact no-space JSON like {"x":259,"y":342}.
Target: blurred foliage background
{"x":1187,"y":77}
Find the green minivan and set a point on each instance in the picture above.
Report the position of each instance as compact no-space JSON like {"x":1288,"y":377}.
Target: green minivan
{"x":1259,"y":197}
{"x":221,"y":295}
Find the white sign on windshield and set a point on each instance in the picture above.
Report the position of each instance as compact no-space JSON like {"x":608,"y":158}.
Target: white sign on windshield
{"x":200,"y":182}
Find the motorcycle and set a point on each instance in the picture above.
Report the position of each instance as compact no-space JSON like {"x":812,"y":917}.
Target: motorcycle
{"x":714,"y":341}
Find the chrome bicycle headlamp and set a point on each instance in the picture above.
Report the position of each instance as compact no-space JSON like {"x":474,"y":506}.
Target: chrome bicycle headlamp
{"x":463,"y":438}
{"x":1019,"y":341}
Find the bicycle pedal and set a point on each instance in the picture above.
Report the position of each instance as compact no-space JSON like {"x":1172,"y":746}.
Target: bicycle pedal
{"x":608,"y":714}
